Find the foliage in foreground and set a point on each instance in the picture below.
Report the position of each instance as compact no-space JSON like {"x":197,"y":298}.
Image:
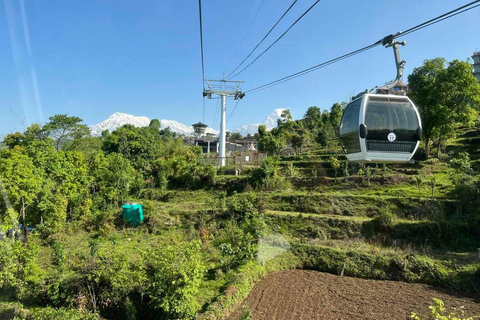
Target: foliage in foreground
{"x":438,"y":312}
{"x":55,"y":314}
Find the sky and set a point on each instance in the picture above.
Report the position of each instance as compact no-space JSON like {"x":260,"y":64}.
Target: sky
{"x":92,"y":58}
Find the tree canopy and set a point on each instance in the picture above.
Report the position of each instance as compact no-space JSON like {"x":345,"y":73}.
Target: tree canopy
{"x":446,"y":94}
{"x":62,"y":127}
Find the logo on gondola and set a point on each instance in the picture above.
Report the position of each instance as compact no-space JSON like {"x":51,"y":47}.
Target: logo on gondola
{"x":391,"y":137}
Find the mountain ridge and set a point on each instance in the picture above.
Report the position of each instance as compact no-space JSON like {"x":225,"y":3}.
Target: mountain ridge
{"x":270,"y":122}
{"x":119,"y":119}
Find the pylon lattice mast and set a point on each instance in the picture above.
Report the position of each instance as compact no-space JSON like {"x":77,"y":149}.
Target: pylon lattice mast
{"x":223,"y":88}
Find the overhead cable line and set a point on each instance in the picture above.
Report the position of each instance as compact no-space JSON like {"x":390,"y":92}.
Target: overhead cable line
{"x":215,"y":116}
{"x":318,"y":66}
{"x":278,"y":39}
{"x":268,"y":33}
{"x":452,"y":13}
{"x":201,"y":50}
{"x":383,"y":41}
{"x":233,"y":110}
{"x":244,"y":35}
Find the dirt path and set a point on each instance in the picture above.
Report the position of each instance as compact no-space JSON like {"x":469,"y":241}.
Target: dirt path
{"x":299,"y":294}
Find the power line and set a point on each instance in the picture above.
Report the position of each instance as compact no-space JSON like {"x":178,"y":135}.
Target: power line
{"x":233,"y":110}
{"x":385,"y":40}
{"x":201,"y":39}
{"x":268,"y":33}
{"x":442,"y":17}
{"x":201,"y":50}
{"x":203,"y":119}
{"x":244,"y":35}
{"x":214,"y":121}
{"x":318,"y":66}
{"x":283,"y":34}
{"x":217,"y":109}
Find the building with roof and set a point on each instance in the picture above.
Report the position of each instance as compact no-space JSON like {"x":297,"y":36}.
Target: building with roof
{"x":476,"y":65}
{"x":199,"y":129}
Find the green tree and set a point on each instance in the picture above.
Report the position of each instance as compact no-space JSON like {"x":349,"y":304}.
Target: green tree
{"x":286,"y":115}
{"x":13,"y":139}
{"x":262,"y":130}
{"x":433,"y":183}
{"x":139,"y":145}
{"x":155,"y":123}
{"x":335,"y":164}
{"x":235,"y":136}
{"x":271,"y":144}
{"x":65,"y":190}
{"x":336,"y":112}
{"x":446,"y":95}
{"x":9,"y":221}
{"x":62,"y":127}
{"x":313,"y":119}
{"x":418,"y":182}
{"x":33,"y":133}
{"x":21,"y":180}
{"x":326,"y":136}
{"x":297,"y":140}
{"x":119,"y":176}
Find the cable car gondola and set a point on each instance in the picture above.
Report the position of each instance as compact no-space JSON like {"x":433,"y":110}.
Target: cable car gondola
{"x":384,"y":126}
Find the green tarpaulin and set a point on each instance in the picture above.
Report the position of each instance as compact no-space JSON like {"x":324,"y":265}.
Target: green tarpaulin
{"x":133,"y":213}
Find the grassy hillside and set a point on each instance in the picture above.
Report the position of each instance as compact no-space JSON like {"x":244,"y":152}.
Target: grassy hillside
{"x":373,"y":222}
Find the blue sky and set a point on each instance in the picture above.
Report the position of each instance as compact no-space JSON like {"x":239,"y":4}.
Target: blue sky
{"x":92,"y":58}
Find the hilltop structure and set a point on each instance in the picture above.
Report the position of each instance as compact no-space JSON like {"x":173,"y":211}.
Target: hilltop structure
{"x":476,"y":65}
{"x":199,"y":129}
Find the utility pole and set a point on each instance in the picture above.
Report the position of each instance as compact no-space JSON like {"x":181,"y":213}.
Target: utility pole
{"x":223,"y":88}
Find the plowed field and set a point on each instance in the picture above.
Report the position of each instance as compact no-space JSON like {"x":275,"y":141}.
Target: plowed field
{"x":299,"y":294}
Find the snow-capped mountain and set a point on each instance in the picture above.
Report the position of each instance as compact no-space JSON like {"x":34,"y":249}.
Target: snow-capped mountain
{"x":270,"y":122}
{"x":119,"y":119}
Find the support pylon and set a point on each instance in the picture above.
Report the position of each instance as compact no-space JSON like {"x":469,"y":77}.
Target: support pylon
{"x":224,"y":89}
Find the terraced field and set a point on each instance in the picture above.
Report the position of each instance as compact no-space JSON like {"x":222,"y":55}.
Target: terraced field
{"x":301,"y":295}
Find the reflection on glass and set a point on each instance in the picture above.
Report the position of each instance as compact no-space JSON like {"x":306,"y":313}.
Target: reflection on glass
{"x":383,"y":118}
{"x":349,"y":128}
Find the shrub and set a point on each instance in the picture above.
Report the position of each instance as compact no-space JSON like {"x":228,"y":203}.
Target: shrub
{"x":461,"y":163}
{"x":380,"y":228}
{"x":239,"y":246}
{"x":18,"y":268}
{"x":290,"y":171}
{"x":246,"y":314}
{"x":104,"y":282}
{"x":62,"y":313}
{"x":467,"y":192}
{"x":240,"y":207}
{"x":58,"y":255}
{"x":207,"y":175}
{"x":438,"y":312}
{"x":267,"y":176}
{"x":174,"y":274}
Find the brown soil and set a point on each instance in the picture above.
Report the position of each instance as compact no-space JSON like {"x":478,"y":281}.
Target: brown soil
{"x":299,"y":294}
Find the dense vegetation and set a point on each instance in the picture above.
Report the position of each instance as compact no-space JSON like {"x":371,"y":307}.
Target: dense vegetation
{"x":208,"y":237}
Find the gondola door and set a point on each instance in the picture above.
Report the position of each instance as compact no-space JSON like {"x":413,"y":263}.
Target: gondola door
{"x":393,"y":128}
